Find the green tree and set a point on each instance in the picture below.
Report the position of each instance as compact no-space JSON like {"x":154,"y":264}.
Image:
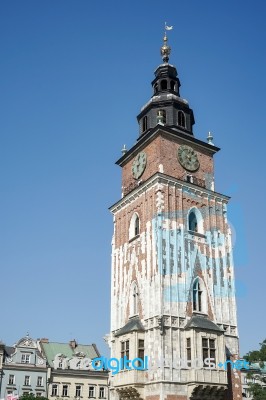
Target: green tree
{"x":257,"y":356}
{"x":31,"y":396}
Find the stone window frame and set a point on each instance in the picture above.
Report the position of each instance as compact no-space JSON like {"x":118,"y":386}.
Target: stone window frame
{"x":25,"y":358}
{"x":78,"y":390}
{"x":54,"y":389}
{"x":11,"y":379}
{"x":134,"y":230}
{"x":200,"y":306}
{"x":39,"y":381}
{"x":93,"y":387}
{"x":27,"y":380}
{"x":65,"y":390}
{"x":199,"y":218}
{"x":102,"y":392}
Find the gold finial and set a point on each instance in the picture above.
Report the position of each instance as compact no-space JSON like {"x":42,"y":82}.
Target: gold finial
{"x":165,"y":49}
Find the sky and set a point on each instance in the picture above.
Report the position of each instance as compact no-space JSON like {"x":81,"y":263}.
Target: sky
{"x":74,"y":75}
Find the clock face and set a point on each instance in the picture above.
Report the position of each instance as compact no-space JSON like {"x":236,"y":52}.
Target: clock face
{"x":188,"y":158}
{"x":139,"y":165}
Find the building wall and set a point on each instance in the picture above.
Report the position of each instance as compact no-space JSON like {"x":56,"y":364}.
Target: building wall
{"x":84,"y":379}
{"x":21,"y":361}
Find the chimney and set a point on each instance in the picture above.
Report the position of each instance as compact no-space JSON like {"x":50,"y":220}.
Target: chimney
{"x":73,"y":344}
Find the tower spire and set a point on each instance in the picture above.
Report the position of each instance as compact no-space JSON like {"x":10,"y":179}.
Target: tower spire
{"x":166,"y":49}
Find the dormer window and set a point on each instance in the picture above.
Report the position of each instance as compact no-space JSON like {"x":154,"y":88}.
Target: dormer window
{"x":25,"y":358}
{"x":181,"y":119}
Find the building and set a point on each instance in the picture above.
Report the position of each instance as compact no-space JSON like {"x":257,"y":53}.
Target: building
{"x":172,"y":289}
{"x":70,"y":371}
{"x":255,"y":374}
{"x":24,"y":369}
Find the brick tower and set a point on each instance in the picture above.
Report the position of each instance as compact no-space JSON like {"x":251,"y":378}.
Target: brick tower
{"x":172,"y":289}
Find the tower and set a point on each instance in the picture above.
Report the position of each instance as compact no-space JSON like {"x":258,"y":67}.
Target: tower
{"x":172,"y":288}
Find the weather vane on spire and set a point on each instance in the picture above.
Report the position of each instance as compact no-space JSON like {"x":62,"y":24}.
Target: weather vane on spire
{"x":167,"y":28}
{"x":165,"y":49}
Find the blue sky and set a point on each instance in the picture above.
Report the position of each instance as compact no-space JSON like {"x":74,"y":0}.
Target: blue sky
{"x":74,"y":75}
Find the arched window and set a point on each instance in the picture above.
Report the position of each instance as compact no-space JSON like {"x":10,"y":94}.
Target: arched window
{"x":161,"y":117}
{"x":172,"y":85}
{"x":181,"y":119}
{"x":164,"y":84}
{"x":134,"y":226}
{"x":197,"y":296}
{"x":192,"y":222}
{"x":144,"y":124}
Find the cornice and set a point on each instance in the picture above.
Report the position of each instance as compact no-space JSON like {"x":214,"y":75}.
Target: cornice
{"x":167,"y":180}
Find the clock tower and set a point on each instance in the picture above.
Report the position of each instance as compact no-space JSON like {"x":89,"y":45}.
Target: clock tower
{"x":172,"y":289}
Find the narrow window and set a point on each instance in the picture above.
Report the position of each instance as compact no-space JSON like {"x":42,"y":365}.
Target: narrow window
{"x":144,"y":124}
{"x":164,"y":84}
{"x":101,"y":392}
{"x":181,"y":119}
{"x":135,"y":300}
{"x":78,"y":390}
{"x":11,"y":379}
{"x":65,"y":391}
{"x":137,"y":226}
{"x":188,"y":349}
{"x":197,"y":296}
{"x":91,"y":391}
{"x":161,"y":117}
{"x":39,"y":381}
{"x":134,"y":226}
{"x":54,"y":390}
{"x":156,"y":88}
{"x":192,"y":222}
{"x":141,"y":349}
{"x":27,"y":380}
{"x":125,"y":349}
{"x":172,"y":85}
{"x":208,"y":348}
